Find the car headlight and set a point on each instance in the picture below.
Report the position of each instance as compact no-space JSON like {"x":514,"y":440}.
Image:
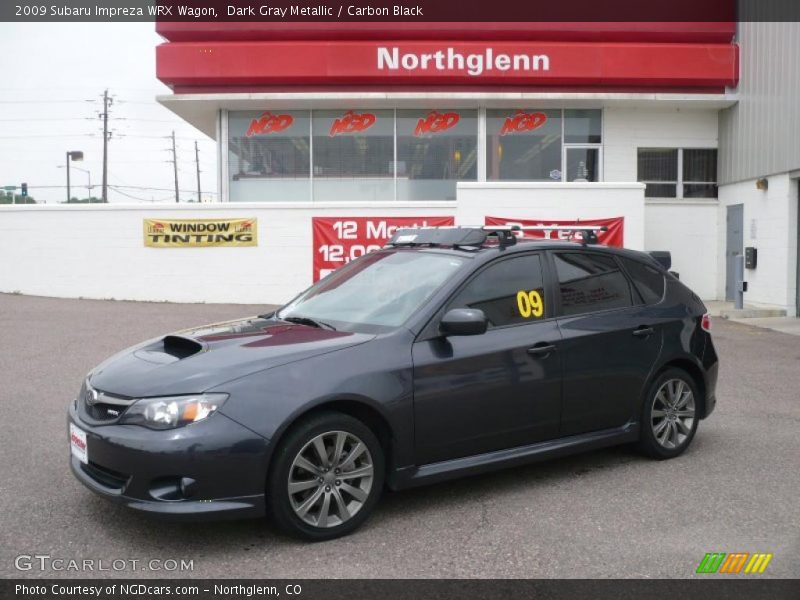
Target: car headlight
{"x":169,"y":412}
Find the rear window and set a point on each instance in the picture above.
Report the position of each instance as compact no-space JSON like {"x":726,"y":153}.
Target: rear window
{"x":590,"y":283}
{"x":648,"y":280}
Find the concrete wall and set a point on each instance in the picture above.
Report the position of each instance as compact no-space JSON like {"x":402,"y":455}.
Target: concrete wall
{"x":770,"y":225}
{"x":626,"y":129}
{"x":98,"y":251}
{"x":559,"y":201}
{"x":687,"y":228}
{"x":690,"y":231}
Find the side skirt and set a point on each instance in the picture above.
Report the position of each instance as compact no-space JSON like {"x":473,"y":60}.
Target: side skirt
{"x":408,"y":477}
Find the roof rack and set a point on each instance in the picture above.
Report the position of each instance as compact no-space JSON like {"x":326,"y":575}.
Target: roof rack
{"x":476,"y":236}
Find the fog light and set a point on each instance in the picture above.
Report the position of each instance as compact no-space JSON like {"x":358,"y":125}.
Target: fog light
{"x":188,"y":487}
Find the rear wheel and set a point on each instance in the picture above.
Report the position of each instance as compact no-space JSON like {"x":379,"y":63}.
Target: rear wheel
{"x":326,"y":477}
{"x":669,"y":415}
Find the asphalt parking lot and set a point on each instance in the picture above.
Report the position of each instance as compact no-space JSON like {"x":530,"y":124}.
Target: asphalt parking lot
{"x":604,"y":514}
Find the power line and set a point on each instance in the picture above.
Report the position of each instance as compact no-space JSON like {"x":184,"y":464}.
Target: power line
{"x":39,"y":120}
{"x":47,"y":135}
{"x":44,"y":101}
{"x":113,"y":185}
{"x":138,"y":197}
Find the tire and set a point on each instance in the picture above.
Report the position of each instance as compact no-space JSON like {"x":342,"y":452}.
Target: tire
{"x":329,"y":497}
{"x":669,"y":416}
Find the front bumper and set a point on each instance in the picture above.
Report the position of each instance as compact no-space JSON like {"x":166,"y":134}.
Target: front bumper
{"x":142,"y":469}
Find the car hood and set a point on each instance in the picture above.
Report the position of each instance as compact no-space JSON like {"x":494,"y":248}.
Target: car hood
{"x":194,"y":360}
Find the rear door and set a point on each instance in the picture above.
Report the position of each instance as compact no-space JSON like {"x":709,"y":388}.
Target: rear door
{"x":501,"y":389}
{"x":609,"y":343}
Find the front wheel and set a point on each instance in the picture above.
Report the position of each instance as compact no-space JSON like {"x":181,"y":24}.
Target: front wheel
{"x":669,"y":415}
{"x":326,"y":477}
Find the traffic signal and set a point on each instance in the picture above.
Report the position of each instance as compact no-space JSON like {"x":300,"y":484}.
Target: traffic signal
{"x":24,"y":188}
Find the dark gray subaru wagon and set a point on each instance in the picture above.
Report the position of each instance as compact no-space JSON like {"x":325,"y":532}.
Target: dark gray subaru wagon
{"x":450,"y":352}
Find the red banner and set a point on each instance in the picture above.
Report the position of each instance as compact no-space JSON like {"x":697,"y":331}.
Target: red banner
{"x":338,"y":240}
{"x":612,"y":237}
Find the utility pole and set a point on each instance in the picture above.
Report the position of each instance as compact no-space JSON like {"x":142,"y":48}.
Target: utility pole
{"x":197,"y":162}
{"x":175,"y":167}
{"x":69,"y":199}
{"x":107,"y":102}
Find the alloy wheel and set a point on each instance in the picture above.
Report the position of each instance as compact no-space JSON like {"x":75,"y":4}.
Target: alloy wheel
{"x":330,"y":479}
{"x":673,"y":413}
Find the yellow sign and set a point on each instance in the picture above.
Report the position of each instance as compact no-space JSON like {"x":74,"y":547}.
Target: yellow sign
{"x":530,"y":304}
{"x":195,"y":233}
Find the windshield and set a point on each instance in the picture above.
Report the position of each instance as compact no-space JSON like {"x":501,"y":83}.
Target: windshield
{"x":383,"y":289}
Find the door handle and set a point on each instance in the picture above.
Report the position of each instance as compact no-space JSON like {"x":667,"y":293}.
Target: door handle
{"x":542,"y":350}
{"x":643,"y":331}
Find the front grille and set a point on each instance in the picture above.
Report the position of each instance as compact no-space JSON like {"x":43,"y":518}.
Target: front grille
{"x":105,"y":477}
{"x":101,"y":407}
{"x":104,"y":412}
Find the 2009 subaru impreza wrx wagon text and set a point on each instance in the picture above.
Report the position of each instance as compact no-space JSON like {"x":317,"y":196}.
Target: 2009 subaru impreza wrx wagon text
{"x":450,"y":352}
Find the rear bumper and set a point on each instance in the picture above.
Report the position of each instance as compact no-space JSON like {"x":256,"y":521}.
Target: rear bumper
{"x":711,"y":368}
{"x":143,"y":469}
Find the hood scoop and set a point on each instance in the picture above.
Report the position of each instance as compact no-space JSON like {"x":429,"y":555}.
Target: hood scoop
{"x":169,"y":350}
{"x":181,"y":347}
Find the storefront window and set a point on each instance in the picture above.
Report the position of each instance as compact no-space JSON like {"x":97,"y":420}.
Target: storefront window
{"x":353,"y":155}
{"x":583,"y":164}
{"x":523,"y":145}
{"x":435,"y":149}
{"x":699,"y":173}
{"x":273,"y":146}
{"x":582,"y":126}
{"x":421,"y":154}
{"x":678,"y":172}
{"x":658,"y":169}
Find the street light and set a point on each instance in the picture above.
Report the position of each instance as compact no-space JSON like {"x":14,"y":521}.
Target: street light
{"x":89,"y":173}
{"x":75,"y":155}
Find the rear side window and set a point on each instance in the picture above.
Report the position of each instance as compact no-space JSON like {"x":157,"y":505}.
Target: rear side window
{"x":590,"y":282}
{"x":648,"y":280}
{"x":509,"y":292}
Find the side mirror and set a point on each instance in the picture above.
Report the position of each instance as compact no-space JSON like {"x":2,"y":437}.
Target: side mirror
{"x":463,"y":321}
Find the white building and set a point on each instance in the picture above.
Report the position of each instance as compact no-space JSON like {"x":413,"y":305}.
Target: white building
{"x":329,"y":132}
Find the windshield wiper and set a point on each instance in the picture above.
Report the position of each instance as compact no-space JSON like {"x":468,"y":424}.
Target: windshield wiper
{"x":309,"y":321}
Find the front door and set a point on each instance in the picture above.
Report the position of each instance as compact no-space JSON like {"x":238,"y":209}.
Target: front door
{"x":609,"y":342}
{"x":501,"y":389}
{"x":734,"y":245}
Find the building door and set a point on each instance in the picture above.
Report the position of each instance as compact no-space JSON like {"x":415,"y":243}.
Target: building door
{"x":734,"y":244}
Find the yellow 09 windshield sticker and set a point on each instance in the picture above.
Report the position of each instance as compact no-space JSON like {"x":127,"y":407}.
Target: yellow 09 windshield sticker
{"x":530,"y":304}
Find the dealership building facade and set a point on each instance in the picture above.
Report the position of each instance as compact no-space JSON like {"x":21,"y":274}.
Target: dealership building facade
{"x":656,"y":123}
{"x":685,"y":136}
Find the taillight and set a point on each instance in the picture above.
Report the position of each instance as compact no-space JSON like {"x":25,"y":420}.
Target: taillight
{"x":705,"y":322}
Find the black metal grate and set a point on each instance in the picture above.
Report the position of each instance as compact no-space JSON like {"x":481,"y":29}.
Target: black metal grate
{"x":105,"y":477}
